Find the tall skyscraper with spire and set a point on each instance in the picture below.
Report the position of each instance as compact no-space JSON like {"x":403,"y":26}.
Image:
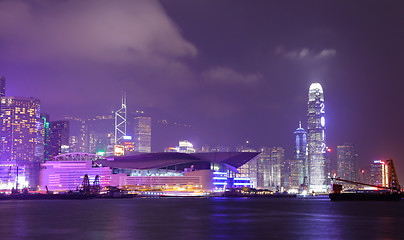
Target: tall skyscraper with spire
{"x":301,"y":163}
{"x":316,"y":147}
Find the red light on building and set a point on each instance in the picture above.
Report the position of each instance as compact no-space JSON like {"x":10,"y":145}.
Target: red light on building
{"x":328,"y":149}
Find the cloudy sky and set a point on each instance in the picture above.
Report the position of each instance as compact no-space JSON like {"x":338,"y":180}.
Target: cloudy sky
{"x":234,"y":69}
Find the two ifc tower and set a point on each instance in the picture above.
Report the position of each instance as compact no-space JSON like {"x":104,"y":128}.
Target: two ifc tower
{"x":310,"y":148}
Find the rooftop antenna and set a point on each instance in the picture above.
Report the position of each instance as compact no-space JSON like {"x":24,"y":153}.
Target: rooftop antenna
{"x":120,"y":120}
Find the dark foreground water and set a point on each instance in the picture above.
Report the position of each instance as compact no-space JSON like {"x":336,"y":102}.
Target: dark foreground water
{"x":215,"y":218}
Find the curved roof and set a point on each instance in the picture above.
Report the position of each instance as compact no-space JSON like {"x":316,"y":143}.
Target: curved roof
{"x":160,"y":160}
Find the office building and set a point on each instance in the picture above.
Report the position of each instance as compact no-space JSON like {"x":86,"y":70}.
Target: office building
{"x":316,"y":146}
{"x":20,"y":135}
{"x":142,"y":134}
{"x":277,"y":159}
{"x":263,"y":167}
{"x":77,"y":134}
{"x":347,"y":162}
{"x":58,"y":138}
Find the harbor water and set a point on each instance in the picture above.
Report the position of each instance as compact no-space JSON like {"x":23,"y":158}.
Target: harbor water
{"x":200,"y":218}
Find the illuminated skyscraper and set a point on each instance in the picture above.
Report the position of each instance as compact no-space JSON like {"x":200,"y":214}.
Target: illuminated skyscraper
{"x":142,"y":134}
{"x":264,"y":160}
{"x":347,"y":162}
{"x":58,"y":138}
{"x":77,"y":134}
{"x":316,"y":147}
{"x":300,"y":166}
{"x":20,"y":128}
{"x":20,"y":135}
{"x":276,"y":164}
{"x":2,"y":86}
{"x":379,"y":171}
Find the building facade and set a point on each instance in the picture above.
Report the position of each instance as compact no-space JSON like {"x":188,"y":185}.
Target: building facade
{"x":21,"y":135}
{"x":142,"y":134}
{"x":379,"y":173}
{"x":58,"y":138}
{"x":277,"y":159}
{"x":316,"y":146}
{"x":69,"y":175}
{"x":347,"y":163}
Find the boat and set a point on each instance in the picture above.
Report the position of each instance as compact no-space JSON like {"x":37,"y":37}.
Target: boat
{"x":392,"y":192}
{"x":366,"y":196}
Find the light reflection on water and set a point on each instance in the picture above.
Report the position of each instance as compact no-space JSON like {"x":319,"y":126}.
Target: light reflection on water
{"x":216,"y":218}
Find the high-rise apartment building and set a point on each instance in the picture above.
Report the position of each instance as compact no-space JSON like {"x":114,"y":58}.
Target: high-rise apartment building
{"x":20,"y":135}
{"x":58,"y":138}
{"x":299,"y":167}
{"x":2,"y":86}
{"x":316,"y":147}
{"x":142,"y":134}
{"x":347,"y":165}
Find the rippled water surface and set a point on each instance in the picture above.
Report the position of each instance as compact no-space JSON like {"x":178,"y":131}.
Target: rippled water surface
{"x":210,"y":218}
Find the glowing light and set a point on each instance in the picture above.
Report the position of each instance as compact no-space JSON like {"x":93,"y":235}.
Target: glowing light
{"x":119,"y":150}
{"x":127,"y":137}
{"x":322,"y":121}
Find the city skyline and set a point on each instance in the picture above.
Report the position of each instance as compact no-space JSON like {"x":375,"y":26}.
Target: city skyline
{"x":246,"y":78}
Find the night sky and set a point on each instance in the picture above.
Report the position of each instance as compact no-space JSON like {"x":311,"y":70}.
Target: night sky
{"x":235,"y":70}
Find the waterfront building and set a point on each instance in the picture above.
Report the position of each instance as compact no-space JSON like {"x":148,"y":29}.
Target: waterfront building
{"x":12,"y":173}
{"x":21,"y":135}
{"x":300,"y":166}
{"x":347,"y":162}
{"x":316,"y":146}
{"x":142,"y":134}
{"x":69,"y":175}
{"x":250,"y":168}
{"x":379,"y":173}
{"x":58,"y":138}
{"x":2,"y":86}
{"x":203,"y":171}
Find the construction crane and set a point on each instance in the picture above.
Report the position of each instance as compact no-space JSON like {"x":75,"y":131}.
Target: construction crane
{"x":394,"y":185}
{"x":96,"y":185}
